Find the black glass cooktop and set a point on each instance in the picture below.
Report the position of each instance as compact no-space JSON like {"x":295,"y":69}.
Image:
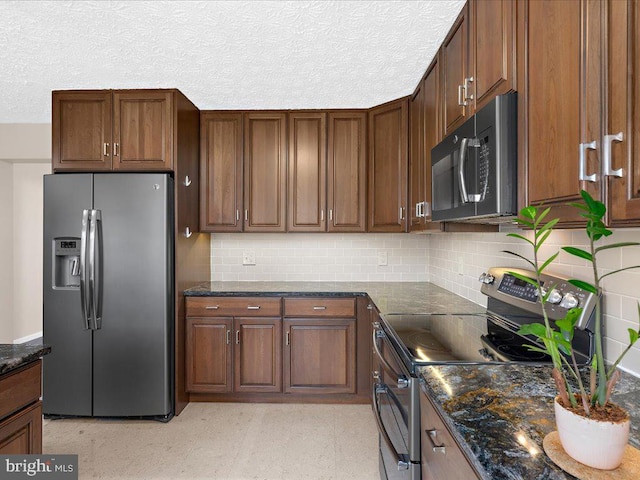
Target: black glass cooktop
{"x":431,"y":339}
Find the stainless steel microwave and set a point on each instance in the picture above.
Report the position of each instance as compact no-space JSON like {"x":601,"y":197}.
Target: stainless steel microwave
{"x":474,"y":170}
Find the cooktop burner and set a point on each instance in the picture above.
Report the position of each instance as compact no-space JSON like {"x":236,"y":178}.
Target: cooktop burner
{"x":521,"y":353}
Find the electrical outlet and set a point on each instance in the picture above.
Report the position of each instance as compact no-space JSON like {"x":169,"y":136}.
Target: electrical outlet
{"x":249,"y":257}
{"x":382,"y":257}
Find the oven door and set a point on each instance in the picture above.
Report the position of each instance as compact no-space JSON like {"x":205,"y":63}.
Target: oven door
{"x":394,"y":411}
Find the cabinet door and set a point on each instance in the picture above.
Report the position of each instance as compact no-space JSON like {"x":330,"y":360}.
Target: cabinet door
{"x":320,"y":355}
{"x":561,"y":100}
{"x":492,"y":54}
{"x":346,"y":172}
{"x":417,"y":163}
{"x":265,"y":172}
{"x":388,"y":167}
{"x":21,"y":433}
{"x":142,"y":130}
{"x":220,"y":172}
{"x":454,"y":72}
{"x":258,"y":355}
{"x":208,"y":354}
{"x":432,"y":133}
{"x":81,"y":130}
{"x":623,"y":116}
{"x":307,"y":172}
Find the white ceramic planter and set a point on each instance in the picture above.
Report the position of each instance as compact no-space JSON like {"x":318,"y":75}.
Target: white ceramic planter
{"x":594,"y":443}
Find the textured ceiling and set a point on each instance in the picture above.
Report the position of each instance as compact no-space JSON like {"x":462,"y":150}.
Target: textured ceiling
{"x":221,"y":54}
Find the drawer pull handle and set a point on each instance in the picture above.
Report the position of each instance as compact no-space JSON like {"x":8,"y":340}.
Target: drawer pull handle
{"x":319,"y":307}
{"x":237,"y":337}
{"x":253,"y":307}
{"x":228,"y":336}
{"x":288,"y":339}
{"x":431,"y":434}
{"x":212,"y":307}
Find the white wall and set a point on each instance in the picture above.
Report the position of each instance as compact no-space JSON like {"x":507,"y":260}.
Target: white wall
{"x":6,"y":252}
{"x":478,"y":251}
{"x":319,"y":257}
{"x":25,"y":155}
{"x":27,"y":248}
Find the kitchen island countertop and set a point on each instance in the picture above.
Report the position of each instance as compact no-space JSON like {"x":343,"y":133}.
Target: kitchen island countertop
{"x":14,"y":356}
{"x":500,"y":414}
{"x":389,"y":297}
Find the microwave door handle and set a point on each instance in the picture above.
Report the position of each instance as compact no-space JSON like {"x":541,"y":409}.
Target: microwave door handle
{"x":463,"y":160}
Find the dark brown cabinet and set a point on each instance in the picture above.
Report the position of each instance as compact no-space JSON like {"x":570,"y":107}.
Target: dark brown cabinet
{"x":623,"y":111}
{"x":307,"y":172}
{"x":234,"y":344}
{"x":347,"y":171}
{"x":442,"y":457}
{"x":456,"y":77}
{"x":265,"y":172}
{"x":492,"y":54}
{"x":388,"y":167}
{"x":320,"y":345}
{"x":578,"y":113}
{"x":478,"y":59}
{"x":21,"y":410}
{"x":132,"y":130}
{"x":221,"y":172}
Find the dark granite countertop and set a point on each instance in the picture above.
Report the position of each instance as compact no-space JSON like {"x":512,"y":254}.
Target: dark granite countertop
{"x":14,"y":356}
{"x":389,"y":297}
{"x":501,"y":413}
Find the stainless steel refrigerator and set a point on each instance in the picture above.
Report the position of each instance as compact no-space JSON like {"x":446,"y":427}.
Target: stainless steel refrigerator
{"x":108,"y":295}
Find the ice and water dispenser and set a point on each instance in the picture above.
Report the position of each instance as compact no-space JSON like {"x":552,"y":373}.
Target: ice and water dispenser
{"x":66,"y":263}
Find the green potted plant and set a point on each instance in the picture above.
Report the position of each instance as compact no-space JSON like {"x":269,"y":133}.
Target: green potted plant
{"x":592,"y":430}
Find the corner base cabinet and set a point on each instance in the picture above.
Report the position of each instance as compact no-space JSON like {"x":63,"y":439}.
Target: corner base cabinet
{"x":21,"y":410}
{"x":274,"y":349}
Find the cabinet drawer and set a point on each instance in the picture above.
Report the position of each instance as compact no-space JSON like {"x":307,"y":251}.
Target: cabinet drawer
{"x":234,"y":307}
{"x":22,"y":433}
{"x":320,"y":307}
{"x":20,"y":388}
{"x":441,"y":455}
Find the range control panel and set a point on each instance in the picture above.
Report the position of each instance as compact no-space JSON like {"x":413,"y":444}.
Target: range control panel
{"x":500,"y":283}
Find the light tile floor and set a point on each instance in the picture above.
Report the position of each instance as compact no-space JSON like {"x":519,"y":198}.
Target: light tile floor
{"x":225,"y":441}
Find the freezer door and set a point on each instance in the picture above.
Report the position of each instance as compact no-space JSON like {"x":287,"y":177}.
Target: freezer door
{"x":67,"y":369}
{"x":133,"y":362}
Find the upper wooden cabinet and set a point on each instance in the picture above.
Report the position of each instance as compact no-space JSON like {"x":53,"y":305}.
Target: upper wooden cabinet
{"x":425,"y":132}
{"x":346,"y":171}
{"x":221,"y":172}
{"x":388,"y":167}
{"x":478,"y":59}
{"x":578,"y":112}
{"x":307,"y":172}
{"x":623,"y":111}
{"x":131,"y":130}
{"x":456,"y":77}
{"x":265,"y":172}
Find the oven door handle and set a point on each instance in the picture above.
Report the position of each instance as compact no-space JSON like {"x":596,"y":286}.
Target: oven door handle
{"x":402,"y":458}
{"x":403,"y":381}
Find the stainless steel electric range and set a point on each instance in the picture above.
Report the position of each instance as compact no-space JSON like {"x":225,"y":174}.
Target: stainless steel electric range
{"x":403,"y":343}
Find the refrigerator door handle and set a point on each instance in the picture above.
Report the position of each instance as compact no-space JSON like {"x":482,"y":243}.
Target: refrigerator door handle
{"x":94,"y":280}
{"x":84,"y":292}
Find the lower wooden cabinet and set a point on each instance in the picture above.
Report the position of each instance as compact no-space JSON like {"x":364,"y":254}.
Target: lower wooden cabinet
{"x":320,"y":355}
{"x":21,"y":411}
{"x":22,"y":433}
{"x":242,"y":345}
{"x":442,"y":458}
